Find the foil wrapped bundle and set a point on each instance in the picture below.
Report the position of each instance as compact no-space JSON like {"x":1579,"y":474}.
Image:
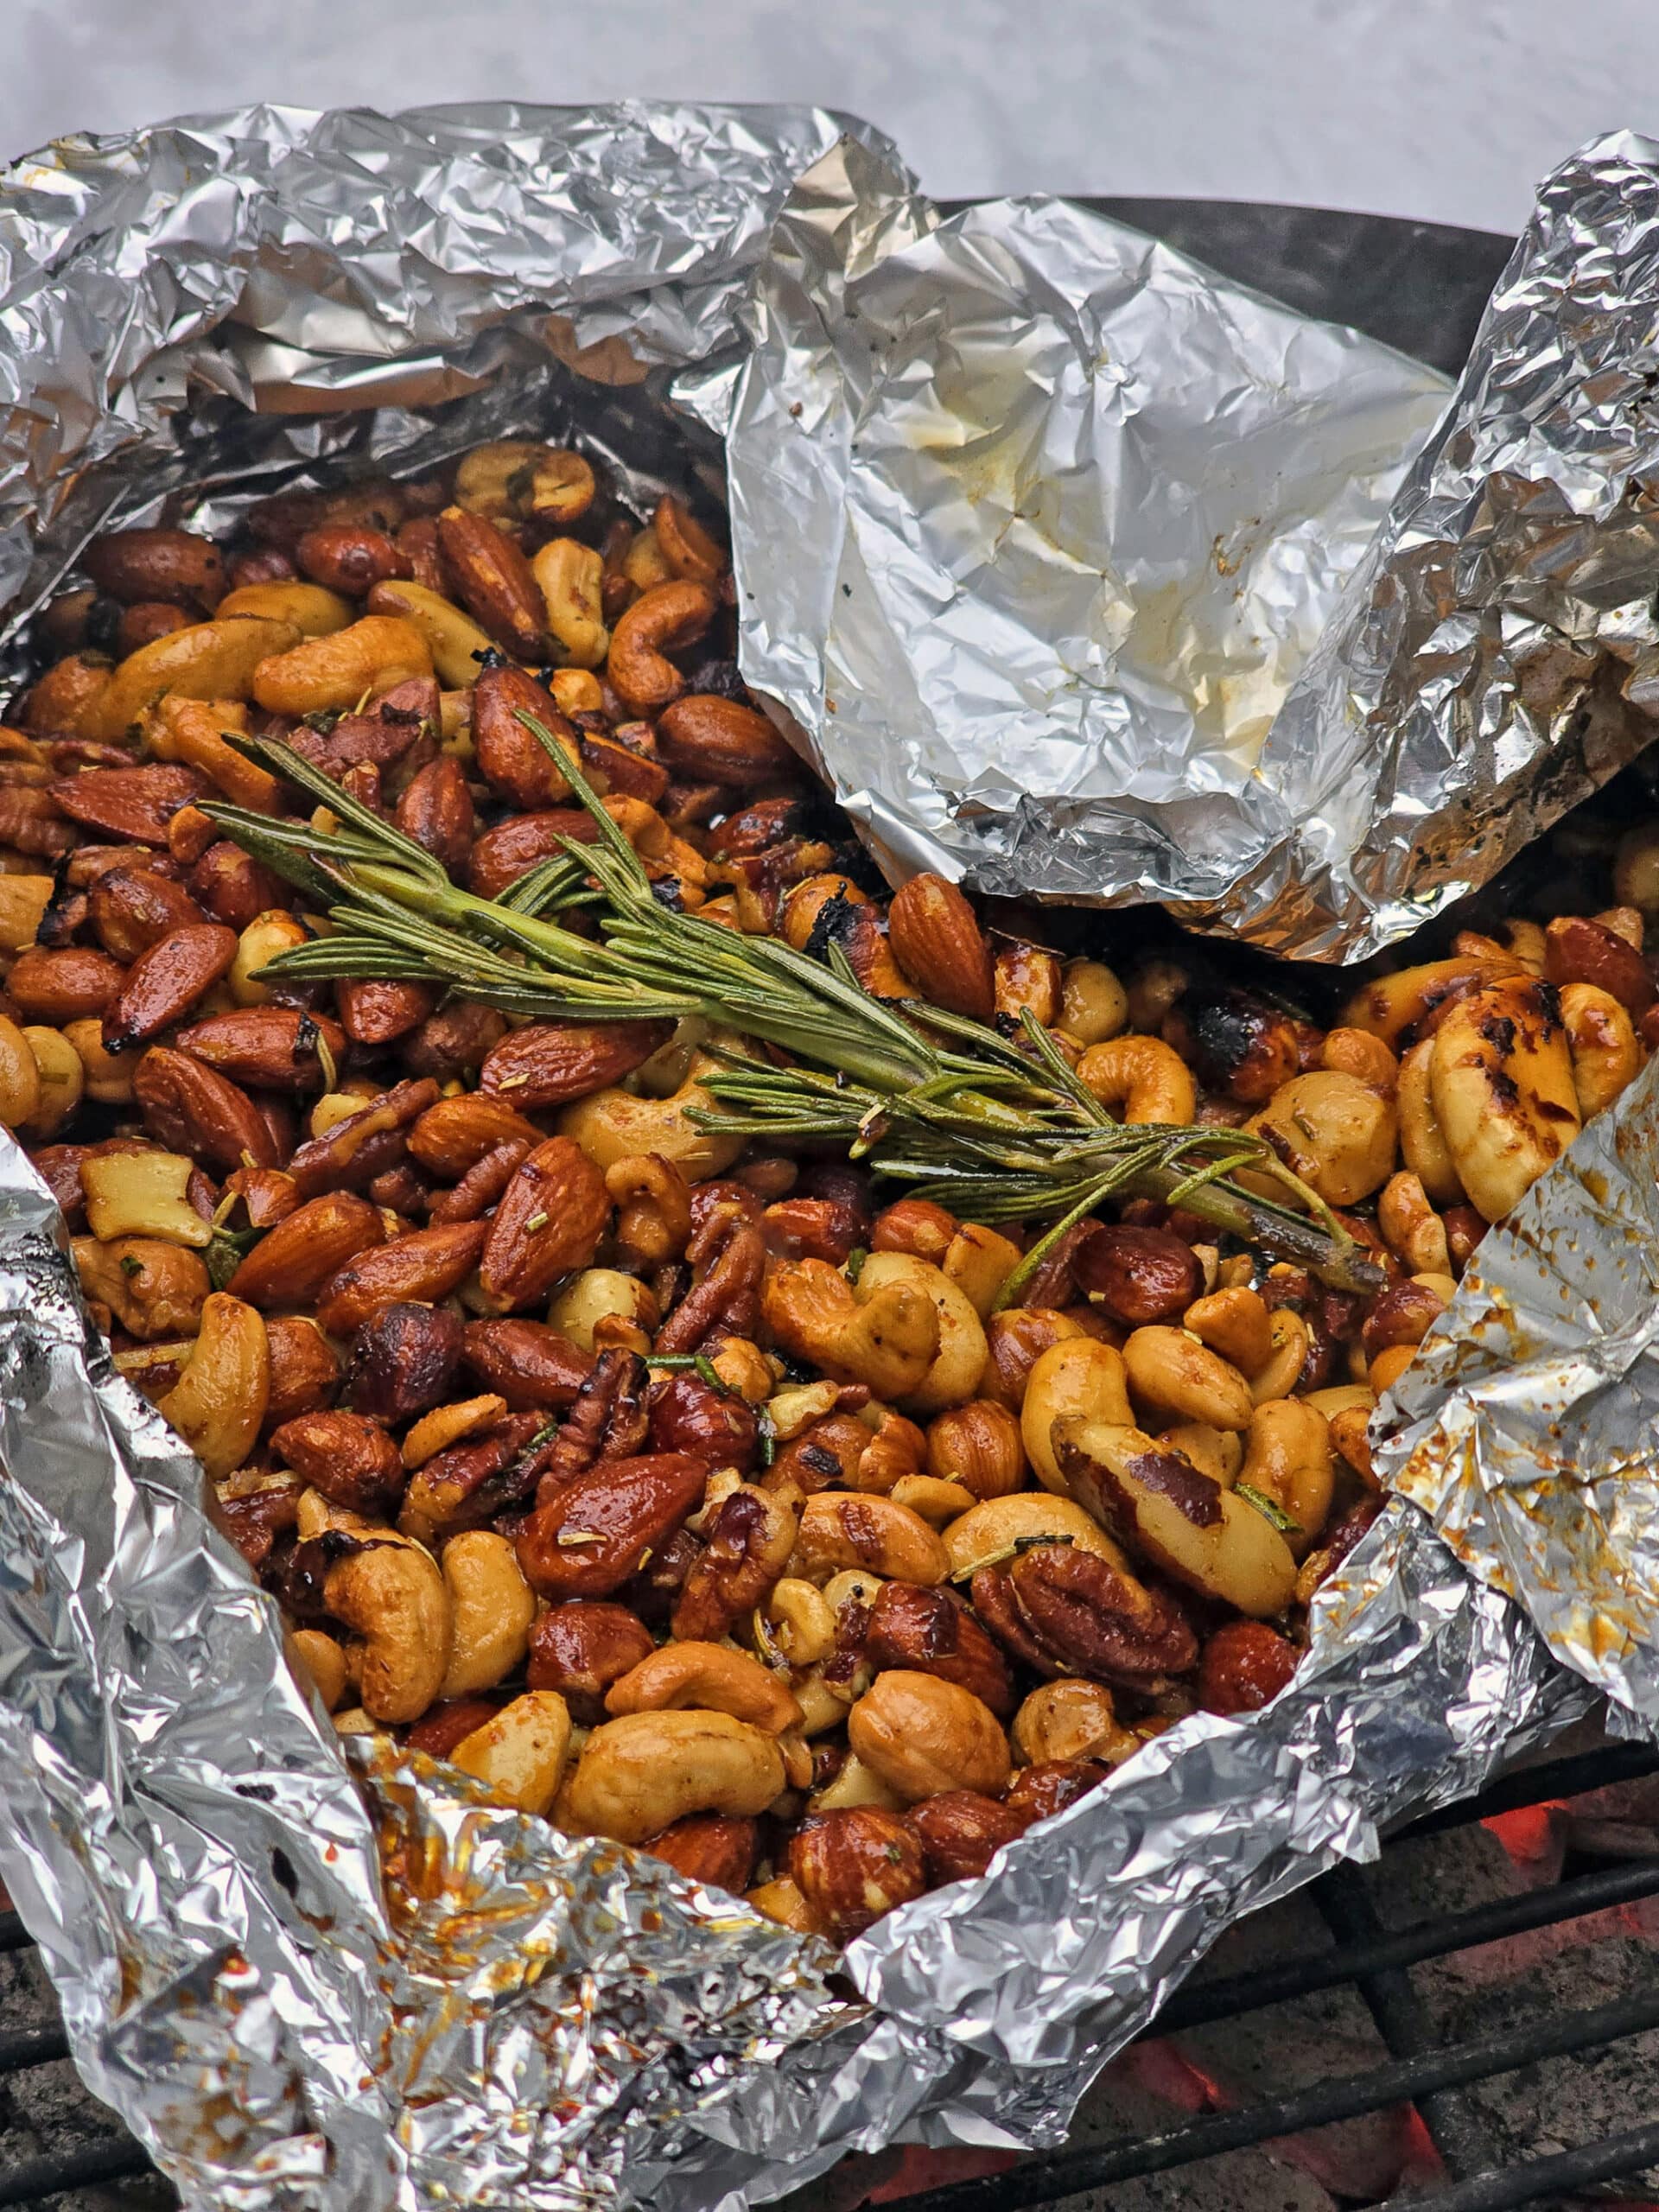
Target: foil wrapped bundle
{"x":1056,"y":634}
{"x":311,"y":1986}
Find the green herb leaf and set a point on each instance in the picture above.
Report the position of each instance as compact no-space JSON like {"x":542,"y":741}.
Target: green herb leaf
{"x":1265,"y":1506}
{"x":226,"y":1250}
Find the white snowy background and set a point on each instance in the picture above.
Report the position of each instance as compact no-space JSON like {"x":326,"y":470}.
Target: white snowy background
{"x":1444,"y":109}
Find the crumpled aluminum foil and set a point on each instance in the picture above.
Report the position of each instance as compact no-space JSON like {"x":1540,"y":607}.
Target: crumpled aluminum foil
{"x":1053,"y":640}
{"x":305,"y":1993}
{"x":1528,"y":1425}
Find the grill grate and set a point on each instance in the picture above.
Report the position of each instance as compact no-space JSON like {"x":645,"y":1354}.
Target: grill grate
{"x":1375,"y":1959}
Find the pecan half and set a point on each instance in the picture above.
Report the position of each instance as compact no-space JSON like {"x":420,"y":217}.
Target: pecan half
{"x":1099,"y":1622}
{"x":475,"y":1481}
{"x":928,"y":1631}
{"x":749,"y":1542}
{"x":727,"y":1254}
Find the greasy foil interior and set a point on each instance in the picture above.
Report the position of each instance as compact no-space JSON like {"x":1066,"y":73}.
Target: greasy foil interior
{"x":1092,"y":608}
{"x":308,"y":1987}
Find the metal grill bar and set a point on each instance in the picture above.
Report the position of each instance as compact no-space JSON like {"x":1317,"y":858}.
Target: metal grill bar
{"x":1402,"y":2081}
{"x":36,"y":2178}
{"x":1225,"y":1997}
{"x":1542,"y":2178}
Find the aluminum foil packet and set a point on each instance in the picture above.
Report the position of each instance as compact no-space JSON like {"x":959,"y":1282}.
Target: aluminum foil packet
{"x":311,"y":1987}
{"x":1528,"y":1425}
{"x":1120,"y":587}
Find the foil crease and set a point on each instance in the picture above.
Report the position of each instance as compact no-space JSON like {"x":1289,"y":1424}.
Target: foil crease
{"x":1119,"y":586}
{"x":1526,"y":1428}
{"x":317,"y":1978}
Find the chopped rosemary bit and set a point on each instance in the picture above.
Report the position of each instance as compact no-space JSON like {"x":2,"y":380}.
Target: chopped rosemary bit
{"x":996,"y":1127}
{"x":1266,"y":1507}
{"x":855,"y":1266}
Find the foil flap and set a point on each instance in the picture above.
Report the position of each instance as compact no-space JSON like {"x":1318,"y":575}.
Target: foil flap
{"x":1112,"y":589}
{"x":1528,"y":1425}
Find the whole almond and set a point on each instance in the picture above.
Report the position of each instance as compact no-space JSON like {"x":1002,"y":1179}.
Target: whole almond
{"x":66,"y":986}
{"x":131,"y":806}
{"x":291,"y":1262}
{"x":494,"y":582}
{"x":195,"y":1109}
{"x":549,"y":1221}
{"x":348,"y":1458}
{"x":423,"y":1267}
{"x":455,"y":1133}
{"x":378,"y":1013}
{"x":132,"y":908}
{"x":304,"y":1373}
{"x":530,"y":1365}
{"x":597,"y":1530}
{"x":437,"y":811}
{"x":960,"y":1832}
{"x":511,"y":758}
{"x":936,"y":940}
{"x":173,"y":565}
{"x":550,"y":1063}
{"x":501,"y":855}
{"x":720,"y":741}
{"x":164,"y":983}
{"x":274,"y":1047}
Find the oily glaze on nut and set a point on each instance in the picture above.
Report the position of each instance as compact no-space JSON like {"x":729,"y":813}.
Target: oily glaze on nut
{"x":717,"y":1500}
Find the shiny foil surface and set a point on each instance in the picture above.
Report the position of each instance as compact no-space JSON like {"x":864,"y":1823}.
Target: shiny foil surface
{"x":1528,"y":1425}
{"x":317,"y":1978}
{"x":1115,"y":591}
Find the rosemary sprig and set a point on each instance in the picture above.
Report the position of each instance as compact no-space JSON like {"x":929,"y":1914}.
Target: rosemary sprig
{"x":1000,"y":1129}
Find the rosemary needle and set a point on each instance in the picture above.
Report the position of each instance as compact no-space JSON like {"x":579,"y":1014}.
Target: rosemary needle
{"x":998,"y":1128}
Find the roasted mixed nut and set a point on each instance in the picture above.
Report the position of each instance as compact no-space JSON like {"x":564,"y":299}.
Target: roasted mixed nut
{"x":687,"y":1487}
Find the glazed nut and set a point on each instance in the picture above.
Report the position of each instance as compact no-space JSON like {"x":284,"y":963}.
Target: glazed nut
{"x":219,"y":1402}
{"x":515,"y":479}
{"x":266,"y":936}
{"x":140,"y":1194}
{"x":343,"y":1456}
{"x":1412,"y":1230}
{"x":640,"y":1774}
{"x":443,"y":1426}
{"x":930,"y":1633}
{"x":686,"y":546}
{"x":455,"y":646}
{"x":290,"y":1264}
{"x":1079,"y":1375}
{"x":979,"y":1260}
{"x":937,"y":941}
{"x":1287,"y":1461}
{"x":155,"y":1291}
{"x":1026,"y":978}
{"x":392,"y":1596}
{"x":1502,"y":1088}
{"x":1236,"y":1325}
{"x":1096,"y":1619}
{"x":1290,"y":1344}
{"x":1333,"y":1131}
{"x":304,"y":1373}
{"x":1137,"y":1275}
{"x":976,"y":1446}
{"x":1582,"y":949}
{"x":547,"y":1063}
{"x":796,"y":1622}
{"x":1071,"y":1720}
{"x":176,"y":567}
{"x":520,"y":1755}
{"x":1177,"y":1519}
{"x":597,"y":1531}
{"x":602,"y":1302}
{"x":581,"y":1648}
{"x":853,"y":1785}
{"x":1602,"y":1040}
{"x":494,"y":582}
{"x":206,"y":660}
{"x":164,"y":984}
{"x":455,"y":1133}
{"x":23,"y":900}
{"x":885,"y":1334}
{"x":938,"y":1502}
{"x":1140,"y":1077}
{"x":61,"y":1083}
{"x":422,"y":1268}
{"x":662,"y":621}
{"x":997,"y":1531}
{"x":1182,"y":1380}
{"x":309,"y":608}
{"x":953,"y":1373}
{"x":1404,"y":1314}
{"x":844,"y":1529}
{"x":1244,"y":1666}
{"x":570,"y":577}
{"x":1016,"y":1340}
{"x":712,"y":1677}
{"x":923,"y":1735}
{"x":710,"y":739}
{"x":926,"y":1231}
{"x":331,"y":674}
{"x":709,"y":1848}
{"x":1094,"y":1005}
{"x":852,"y":1866}
{"x":321,"y":1663}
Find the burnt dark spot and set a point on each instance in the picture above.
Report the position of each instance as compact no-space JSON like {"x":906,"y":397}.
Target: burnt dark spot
{"x":1498,"y":1031}
{"x":820,"y":1461}
{"x":835,"y":922}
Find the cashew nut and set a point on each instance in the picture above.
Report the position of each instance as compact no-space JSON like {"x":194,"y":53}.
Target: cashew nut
{"x":1236,"y":1324}
{"x":1288,"y":1346}
{"x":853,"y":1784}
{"x":332,"y":674}
{"x":662,"y":621}
{"x":453,"y":641}
{"x":882,"y":1333}
{"x":842,"y":1528}
{"x":1206,"y":1537}
{"x":572,"y":576}
{"x":491,"y":1608}
{"x":143,"y":1194}
{"x":614,"y":1125}
{"x":392,"y":1596}
{"x":799,"y":1621}
{"x":1396,"y":1007}
{"x":520,"y":1756}
{"x":1079,"y":1374}
{"x":1411,"y":1228}
{"x":219,"y":1402}
{"x":979,"y":1261}
{"x":63,"y":1083}
{"x":1422,"y":1141}
{"x":322,"y":1661}
{"x":1144,"y":1077}
{"x":954,"y":1372}
{"x":1288,"y":1459}
{"x":1500,"y":1080}
{"x":1605,"y":1055}
{"x":637,"y":1774}
{"x":711,"y":1676}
